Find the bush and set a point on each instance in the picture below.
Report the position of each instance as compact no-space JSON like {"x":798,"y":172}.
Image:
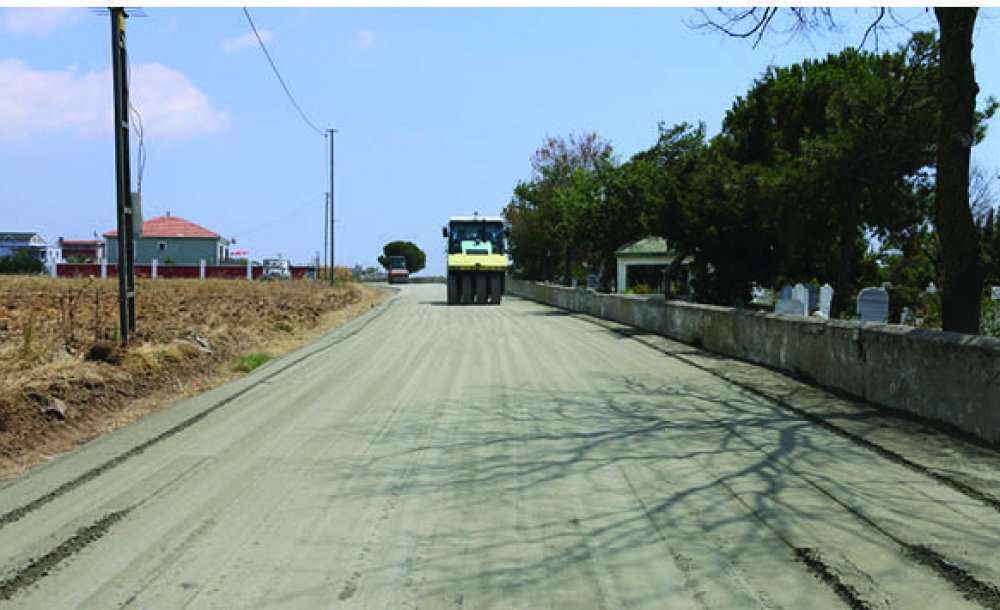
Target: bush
{"x":989,"y":323}
{"x":640,"y":289}
{"x":251,"y":361}
{"x":20,"y":262}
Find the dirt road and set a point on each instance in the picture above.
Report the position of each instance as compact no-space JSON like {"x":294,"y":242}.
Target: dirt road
{"x":503,"y":457}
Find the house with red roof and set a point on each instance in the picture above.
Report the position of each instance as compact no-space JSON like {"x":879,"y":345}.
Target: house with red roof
{"x":172,"y":239}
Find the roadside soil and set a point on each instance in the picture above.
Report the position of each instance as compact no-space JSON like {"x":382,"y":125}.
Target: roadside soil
{"x":58,"y":338}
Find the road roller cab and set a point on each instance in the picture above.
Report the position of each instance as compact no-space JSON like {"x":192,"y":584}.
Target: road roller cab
{"x":477,"y":259}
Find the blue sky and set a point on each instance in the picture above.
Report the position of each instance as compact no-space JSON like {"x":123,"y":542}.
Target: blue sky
{"x":439,"y":111}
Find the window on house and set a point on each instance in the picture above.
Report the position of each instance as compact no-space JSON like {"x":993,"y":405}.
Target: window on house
{"x":162,"y":246}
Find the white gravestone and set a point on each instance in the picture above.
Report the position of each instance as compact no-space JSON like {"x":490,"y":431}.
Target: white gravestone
{"x":873,"y":305}
{"x":825,"y":299}
{"x":995,"y":293}
{"x":800,"y":294}
{"x":905,"y":316}
{"x":793,"y":307}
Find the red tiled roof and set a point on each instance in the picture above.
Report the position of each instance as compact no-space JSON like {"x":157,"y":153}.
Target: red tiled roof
{"x":170,"y":226}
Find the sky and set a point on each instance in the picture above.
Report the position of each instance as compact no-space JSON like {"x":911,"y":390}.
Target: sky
{"x":438,"y":111}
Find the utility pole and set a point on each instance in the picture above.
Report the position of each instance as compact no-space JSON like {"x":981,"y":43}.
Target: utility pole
{"x":326,"y":230}
{"x":333,"y":267}
{"x":123,"y":178}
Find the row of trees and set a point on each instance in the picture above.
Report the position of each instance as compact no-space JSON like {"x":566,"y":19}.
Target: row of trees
{"x":822,"y":170}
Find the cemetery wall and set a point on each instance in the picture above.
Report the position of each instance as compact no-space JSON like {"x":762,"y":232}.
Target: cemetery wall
{"x":948,"y":377}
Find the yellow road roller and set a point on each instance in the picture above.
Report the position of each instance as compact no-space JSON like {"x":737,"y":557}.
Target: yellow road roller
{"x":477,"y":259}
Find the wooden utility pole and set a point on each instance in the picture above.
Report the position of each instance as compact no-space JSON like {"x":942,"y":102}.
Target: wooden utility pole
{"x":123,"y":178}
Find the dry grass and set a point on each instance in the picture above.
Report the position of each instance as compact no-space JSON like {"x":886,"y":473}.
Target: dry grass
{"x":57,"y":340}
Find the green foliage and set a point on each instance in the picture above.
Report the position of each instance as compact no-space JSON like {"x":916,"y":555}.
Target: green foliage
{"x":837,"y":152}
{"x":989,"y":324}
{"x":415,"y":257}
{"x":640,"y":289}
{"x":20,"y":262}
{"x":251,"y":361}
{"x":817,"y":162}
{"x":557,"y":218}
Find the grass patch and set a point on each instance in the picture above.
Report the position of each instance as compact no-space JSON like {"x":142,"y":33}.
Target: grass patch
{"x":251,"y":361}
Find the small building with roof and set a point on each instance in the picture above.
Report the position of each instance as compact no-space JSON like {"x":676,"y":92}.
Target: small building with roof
{"x":82,"y":250}
{"x":647,"y":259}
{"x":27,"y":242}
{"x":172,"y":239}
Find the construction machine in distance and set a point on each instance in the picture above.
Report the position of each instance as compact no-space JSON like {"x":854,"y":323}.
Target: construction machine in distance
{"x":397,"y":273}
{"x":477,"y":259}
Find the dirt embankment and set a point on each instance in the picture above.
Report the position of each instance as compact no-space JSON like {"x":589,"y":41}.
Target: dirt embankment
{"x":63,"y":381}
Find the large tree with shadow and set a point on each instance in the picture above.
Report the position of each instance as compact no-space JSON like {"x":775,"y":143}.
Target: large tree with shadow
{"x":962,"y":265}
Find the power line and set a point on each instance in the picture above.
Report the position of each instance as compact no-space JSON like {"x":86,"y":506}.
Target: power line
{"x":278,"y":74}
{"x":140,"y":160}
{"x":289,"y":215}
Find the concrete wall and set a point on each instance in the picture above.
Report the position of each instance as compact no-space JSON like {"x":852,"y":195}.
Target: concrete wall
{"x":949,"y":377}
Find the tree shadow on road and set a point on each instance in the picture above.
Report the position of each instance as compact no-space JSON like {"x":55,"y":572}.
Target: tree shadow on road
{"x":531,"y":487}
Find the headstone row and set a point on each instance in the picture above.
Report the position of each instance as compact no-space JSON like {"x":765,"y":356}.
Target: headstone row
{"x":801,"y":300}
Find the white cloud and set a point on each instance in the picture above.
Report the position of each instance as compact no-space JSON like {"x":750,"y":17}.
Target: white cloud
{"x":246,"y":41}
{"x":35,"y":21}
{"x":366,"y":39}
{"x":52,"y":101}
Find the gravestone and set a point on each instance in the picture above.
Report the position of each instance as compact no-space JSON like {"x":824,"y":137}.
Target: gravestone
{"x":825,"y":299}
{"x":800,"y":294}
{"x":995,"y":293}
{"x":591,"y":282}
{"x":786,"y":292}
{"x":905,"y":316}
{"x":792,"y":307}
{"x":873,"y":305}
{"x":813,"y":297}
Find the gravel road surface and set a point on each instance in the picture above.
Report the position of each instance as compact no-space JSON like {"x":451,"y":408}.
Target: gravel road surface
{"x":426,"y":456}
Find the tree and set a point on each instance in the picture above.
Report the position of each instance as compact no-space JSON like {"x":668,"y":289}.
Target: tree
{"x":415,"y":257}
{"x":551,"y":214}
{"x":962,"y":267}
{"x":840,"y":146}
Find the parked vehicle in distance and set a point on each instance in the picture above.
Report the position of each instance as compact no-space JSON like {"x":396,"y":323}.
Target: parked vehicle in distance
{"x":277,"y":269}
{"x":397,"y":272}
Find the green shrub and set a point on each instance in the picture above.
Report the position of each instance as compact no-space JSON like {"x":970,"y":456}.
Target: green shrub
{"x":20,"y":262}
{"x":989,"y":323}
{"x":251,"y":361}
{"x":640,"y":289}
